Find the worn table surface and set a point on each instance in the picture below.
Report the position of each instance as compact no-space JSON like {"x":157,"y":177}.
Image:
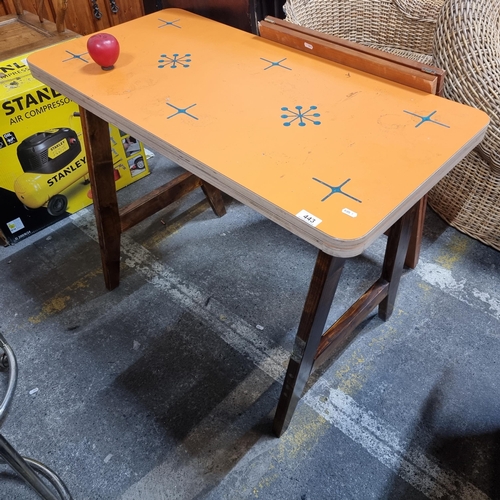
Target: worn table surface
{"x":285,"y":132}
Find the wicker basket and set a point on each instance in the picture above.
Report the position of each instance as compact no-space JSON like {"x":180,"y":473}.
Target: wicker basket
{"x":402,"y":27}
{"x":467,"y":46}
{"x":460,"y":36}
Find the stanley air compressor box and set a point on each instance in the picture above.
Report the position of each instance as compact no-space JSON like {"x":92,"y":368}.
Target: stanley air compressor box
{"x":43,"y":165}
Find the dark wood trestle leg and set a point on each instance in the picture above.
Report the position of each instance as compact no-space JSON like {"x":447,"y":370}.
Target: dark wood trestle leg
{"x":111,"y":220}
{"x":395,"y":254}
{"x":107,"y":216}
{"x":312,"y":346}
{"x":325,"y":278}
{"x":214,"y":197}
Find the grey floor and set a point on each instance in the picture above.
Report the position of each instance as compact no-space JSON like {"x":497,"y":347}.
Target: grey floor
{"x":165,"y":388}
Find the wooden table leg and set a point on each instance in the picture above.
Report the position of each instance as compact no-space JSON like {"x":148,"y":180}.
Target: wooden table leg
{"x":395,"y":254}
{"x":319,"y":299}
{"x":413,"y":253}
{"x":100,"y":165}
{"x":214,"y":197}
{"x":312,"y":346}
{"x":110,"y":220}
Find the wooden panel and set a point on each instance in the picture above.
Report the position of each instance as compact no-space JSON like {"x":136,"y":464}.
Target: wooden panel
{"x":47,"y":10}
{"x":80,"y":15}
{"x":82,"y":20}
{"x":127,"y":10}
{"x":374,"y":62}
{"x":237,"y":13}
{"x":78,"y":19}
{"x":7,"y":7}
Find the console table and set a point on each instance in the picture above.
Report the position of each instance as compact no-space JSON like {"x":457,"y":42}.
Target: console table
{"x":333,"y":154}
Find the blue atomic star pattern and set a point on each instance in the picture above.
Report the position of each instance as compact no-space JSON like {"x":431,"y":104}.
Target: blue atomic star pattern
{"x":427,"y":118}
{"x":273,"y":64}
{"x":175,"y":61}
{"x":169,"y":23}
{"x":181,"y":111}
{"x":302,"y":116}
{"x":76,"y":56}
{"x":336,"y":189}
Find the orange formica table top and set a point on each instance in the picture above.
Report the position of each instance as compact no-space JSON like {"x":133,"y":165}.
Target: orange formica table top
{"x":332,"y":154}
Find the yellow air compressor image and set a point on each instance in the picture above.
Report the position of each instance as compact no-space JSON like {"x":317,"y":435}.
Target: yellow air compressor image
{"x":50,"y":164}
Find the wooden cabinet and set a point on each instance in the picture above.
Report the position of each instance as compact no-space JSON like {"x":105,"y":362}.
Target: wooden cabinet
{"x":84,"y":20}
{"x":84,"y":16}
{"x":242,"y":14}
{"x":81,"y":14}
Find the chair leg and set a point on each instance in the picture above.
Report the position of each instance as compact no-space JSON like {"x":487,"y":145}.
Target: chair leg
{"x":17,"y":462}
{"x":61,"y":6}
{"x":19,"y":7}
{"x":25,"y":467}
{"x":39,"y":10}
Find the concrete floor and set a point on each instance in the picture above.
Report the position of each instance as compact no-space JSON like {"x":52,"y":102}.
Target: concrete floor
{"x":165,"y":388}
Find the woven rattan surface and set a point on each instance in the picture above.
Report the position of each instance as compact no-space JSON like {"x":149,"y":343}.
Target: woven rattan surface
{"x":403,"y":27}
{"x":468,"y":198}
{"x":460,"y":36}
{"x":467,"y":46}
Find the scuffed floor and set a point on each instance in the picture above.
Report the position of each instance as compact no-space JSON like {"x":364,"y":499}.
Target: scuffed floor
{"x":166,"y":387}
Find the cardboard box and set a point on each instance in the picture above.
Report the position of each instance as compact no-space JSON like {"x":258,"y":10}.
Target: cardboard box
{"x":43,"y":164}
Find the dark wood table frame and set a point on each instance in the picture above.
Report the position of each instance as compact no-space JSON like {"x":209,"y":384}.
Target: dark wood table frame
{"x":111,"y":221}
{"x":313,"y":347}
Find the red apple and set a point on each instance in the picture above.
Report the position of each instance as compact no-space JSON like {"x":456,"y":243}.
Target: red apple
{"x":104,"y":49}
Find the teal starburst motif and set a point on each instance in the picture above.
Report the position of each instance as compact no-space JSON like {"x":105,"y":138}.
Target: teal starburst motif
{"x":175,"y":61}
{"x":426,"y":118}
{"x":303,"y":117}
{"x":336,"y":190}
